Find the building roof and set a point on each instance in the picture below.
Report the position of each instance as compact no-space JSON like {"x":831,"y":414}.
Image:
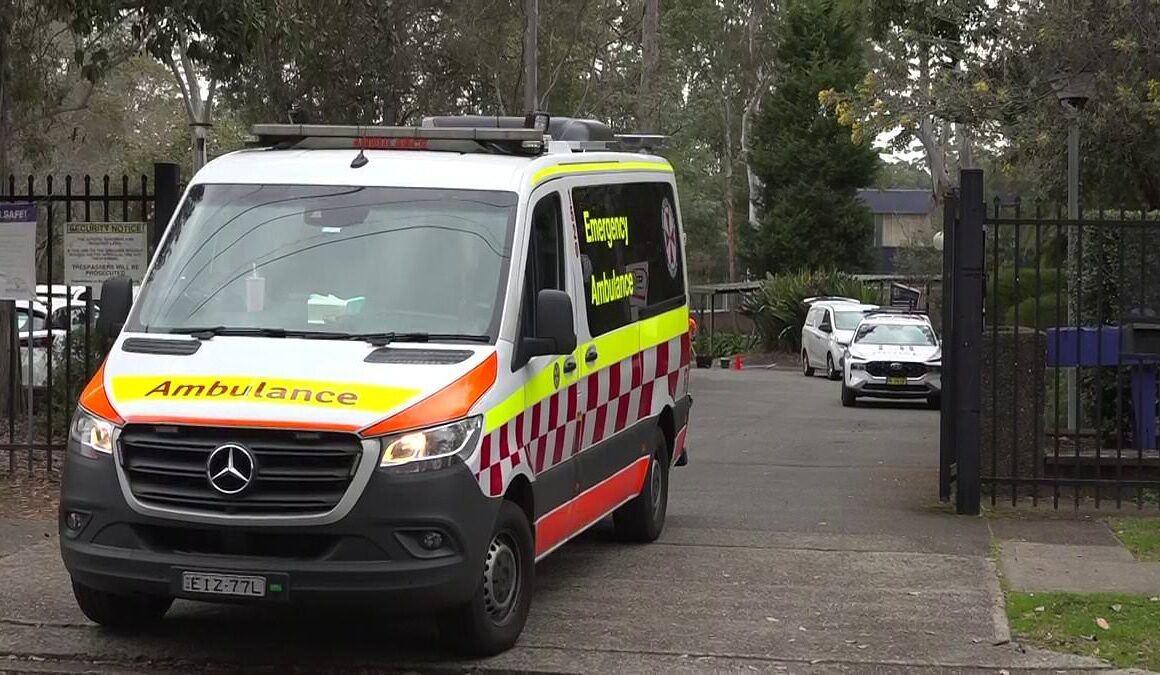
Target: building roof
{"x":898,"y":201}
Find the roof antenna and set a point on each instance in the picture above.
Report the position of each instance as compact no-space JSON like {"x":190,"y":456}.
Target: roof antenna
{"x":360,"y":159}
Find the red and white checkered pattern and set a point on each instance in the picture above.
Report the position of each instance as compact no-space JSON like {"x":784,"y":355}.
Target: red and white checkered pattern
{"x":585,"y":413}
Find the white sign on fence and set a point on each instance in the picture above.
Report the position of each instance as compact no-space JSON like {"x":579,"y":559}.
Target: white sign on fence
{"x":94,"y":252}
{"x":17,"y":251}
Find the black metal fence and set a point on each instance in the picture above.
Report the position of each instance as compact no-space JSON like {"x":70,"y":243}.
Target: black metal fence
{"x":58,"y":331}
{"x":1053,"y":389}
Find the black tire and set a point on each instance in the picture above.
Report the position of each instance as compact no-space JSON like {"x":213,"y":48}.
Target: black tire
{"x":807,"y":369}
{"x":934,"y":402}
{"x":120,"y":612}
{"x":849,"y":398}
{"x":491,"y":622}
{"x":642,"y":519}
{"x":832,"y":373}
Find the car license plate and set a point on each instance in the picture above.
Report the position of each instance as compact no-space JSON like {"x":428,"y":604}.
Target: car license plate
{"x":896,"y":381}
{"x":223,"y":584}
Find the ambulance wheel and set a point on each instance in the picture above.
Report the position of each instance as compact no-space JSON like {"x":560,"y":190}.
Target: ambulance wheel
{"x":642,"y":519}
{"x":493,"y":619}
{"x":120,"y":612}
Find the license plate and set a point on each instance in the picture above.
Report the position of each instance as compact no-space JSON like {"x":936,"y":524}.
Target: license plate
{"x":896,"y":381}
{"x":223,"y":584}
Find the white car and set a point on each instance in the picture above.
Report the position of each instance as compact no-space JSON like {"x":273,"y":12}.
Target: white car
{"x":893,"y":355}
{"x":48,"y":329}
{"x":827,"y":331}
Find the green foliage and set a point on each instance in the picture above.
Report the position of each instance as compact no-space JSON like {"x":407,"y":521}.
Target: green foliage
{"x":810,"y":166}
{"x":1140,"y":535}
{"x":728,"y":344}
{"x":777,"y":308}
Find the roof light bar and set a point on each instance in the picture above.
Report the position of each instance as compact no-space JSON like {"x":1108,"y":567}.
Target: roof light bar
{"x":456,"y":139}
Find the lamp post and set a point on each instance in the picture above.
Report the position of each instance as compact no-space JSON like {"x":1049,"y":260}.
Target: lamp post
{"x":1074,"y":90}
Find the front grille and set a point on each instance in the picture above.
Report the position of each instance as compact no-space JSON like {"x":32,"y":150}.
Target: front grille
{"x":295,"y":472}
{"x":886,"y":369}
{"x":896,"y":389}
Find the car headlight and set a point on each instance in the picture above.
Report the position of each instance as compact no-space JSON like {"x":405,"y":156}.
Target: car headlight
{"x":432,"y":448}
{"x":93,"y":435}
{"x":934,"y":367}
{"x":855,"y":365}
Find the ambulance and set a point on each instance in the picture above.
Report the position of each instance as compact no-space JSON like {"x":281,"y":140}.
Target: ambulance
{"x":391,"y":366}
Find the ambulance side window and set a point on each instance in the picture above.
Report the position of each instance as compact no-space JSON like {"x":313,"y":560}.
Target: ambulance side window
{"x":545,"y":258}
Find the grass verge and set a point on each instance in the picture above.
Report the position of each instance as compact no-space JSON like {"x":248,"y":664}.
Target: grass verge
{"x":1071,"y":622}
{"x":1141,"y":536}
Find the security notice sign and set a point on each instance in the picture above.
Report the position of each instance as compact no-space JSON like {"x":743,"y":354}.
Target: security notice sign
{"x":94,"y":252}
{"x":17,"y":251}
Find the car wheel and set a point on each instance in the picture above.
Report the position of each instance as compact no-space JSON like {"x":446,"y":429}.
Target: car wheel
{"x":493,"y":619}
{"x":120,"y":611}
{"x":832,"y":372}
{"x":849,"y":398}
{"x":642,"y":519}
{"x":807,"y":369}
{"x":934,"y":402}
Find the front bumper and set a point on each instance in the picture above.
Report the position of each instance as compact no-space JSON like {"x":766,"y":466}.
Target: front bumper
{"x":864,"y":384}
{"x":371,"y":555}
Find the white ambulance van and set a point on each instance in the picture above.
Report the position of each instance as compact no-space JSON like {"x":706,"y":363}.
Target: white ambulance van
{"x":386,"y":365}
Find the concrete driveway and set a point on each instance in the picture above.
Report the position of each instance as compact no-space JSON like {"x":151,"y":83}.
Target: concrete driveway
{"x":802,"y":537}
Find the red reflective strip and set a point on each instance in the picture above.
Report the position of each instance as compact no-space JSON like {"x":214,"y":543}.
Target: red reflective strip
{"x":587,"y":508}
{"x":686,"y":349}
{"x":662,"y":366}
{"x":379,"y":143}
{"x":600,"y":425}
{"x":679,"y":443}
{"x":646,"y":395}
{"x":622,"y":406}
{"x":637,"y":369}
{"x":614,"y":380}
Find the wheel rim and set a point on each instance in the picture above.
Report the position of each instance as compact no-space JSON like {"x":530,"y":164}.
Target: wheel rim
{"x":656,"y":487}
{"x":502,"y":578}
{"x":830,"y":365}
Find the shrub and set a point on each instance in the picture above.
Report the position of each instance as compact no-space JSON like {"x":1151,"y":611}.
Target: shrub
{"x":777,"y":309}
{"x":1048,"y":317}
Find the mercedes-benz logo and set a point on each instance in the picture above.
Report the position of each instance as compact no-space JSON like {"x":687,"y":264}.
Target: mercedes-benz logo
{"x":230,"y":469}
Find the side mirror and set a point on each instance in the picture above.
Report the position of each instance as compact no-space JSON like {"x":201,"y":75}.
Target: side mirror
{"x":555,"y":326}
{"x":116,"y":301}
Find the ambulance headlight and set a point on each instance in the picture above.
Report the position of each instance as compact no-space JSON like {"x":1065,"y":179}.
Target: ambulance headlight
{"x":431,"y":448}
{"x":93,"y":435}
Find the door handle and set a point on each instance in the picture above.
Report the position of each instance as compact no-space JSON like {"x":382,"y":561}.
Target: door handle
{"x":569,"y":365}
{"x":591,"y":355}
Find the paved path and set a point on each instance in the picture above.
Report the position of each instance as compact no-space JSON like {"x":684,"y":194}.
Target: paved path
{"x":802,"y":537}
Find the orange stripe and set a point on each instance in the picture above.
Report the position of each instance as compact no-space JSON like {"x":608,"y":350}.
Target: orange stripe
{"x":96,"y":400}
{"x":449,"y":403}
{"x":256,"y":424}
{"x":587,"y":508}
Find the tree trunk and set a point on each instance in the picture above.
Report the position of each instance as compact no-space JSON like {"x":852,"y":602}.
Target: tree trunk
{"x":649,"y":61}
{"x":10,"y":392}
{"x":531,"y":57}
{"x":727,"y":188}
{"x":753,"y":182}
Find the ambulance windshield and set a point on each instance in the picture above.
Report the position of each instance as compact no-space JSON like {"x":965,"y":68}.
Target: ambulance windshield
{"x":325,"y":259}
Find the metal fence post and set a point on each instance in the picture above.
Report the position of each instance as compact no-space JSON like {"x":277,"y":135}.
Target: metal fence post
{"x":947,"y":454}
{"x":166,"y":192}
{"x":967,"y":319}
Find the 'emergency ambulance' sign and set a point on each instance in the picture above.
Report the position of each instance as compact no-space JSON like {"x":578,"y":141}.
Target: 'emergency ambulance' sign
{"x":94,"y":252}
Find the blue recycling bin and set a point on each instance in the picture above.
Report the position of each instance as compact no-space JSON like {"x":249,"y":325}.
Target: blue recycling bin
{"x":1091,"y":347}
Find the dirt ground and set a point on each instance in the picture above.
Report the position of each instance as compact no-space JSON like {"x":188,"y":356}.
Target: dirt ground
{"x":28,"y":495}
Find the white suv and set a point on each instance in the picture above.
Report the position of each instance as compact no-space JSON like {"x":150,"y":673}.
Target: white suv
{"x":827,"y":331}
{"x":893,"y":355}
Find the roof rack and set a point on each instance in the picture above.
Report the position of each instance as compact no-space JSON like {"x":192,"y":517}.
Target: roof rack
{"x":458,"y":139}
{"x":831,"y":298}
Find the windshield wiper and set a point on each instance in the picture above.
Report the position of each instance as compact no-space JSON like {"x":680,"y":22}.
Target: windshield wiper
{"x":383,"y":339}
{"x":205,"y":333}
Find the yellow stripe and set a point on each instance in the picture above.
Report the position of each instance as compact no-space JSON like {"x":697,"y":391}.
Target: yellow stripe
{"x":595,"y":167}
{"x":233,"y":389}
{"x":615,"y":346}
